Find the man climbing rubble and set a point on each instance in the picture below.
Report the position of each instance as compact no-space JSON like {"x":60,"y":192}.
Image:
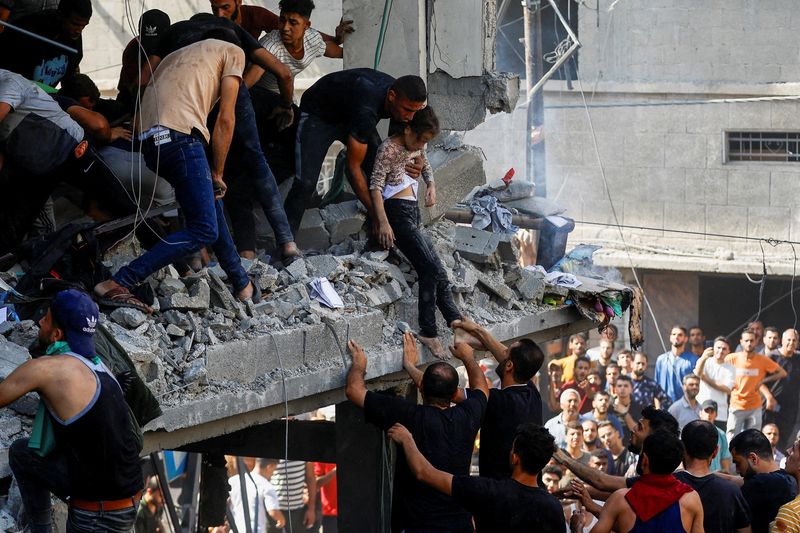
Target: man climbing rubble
{"x":174,"y":137}
{"x":93,"y":462}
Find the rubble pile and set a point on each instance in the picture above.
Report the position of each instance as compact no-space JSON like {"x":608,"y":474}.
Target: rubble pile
{"x":189,"y":348}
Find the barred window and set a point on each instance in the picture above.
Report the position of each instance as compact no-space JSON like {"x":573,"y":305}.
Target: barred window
{"x":772,"y":146}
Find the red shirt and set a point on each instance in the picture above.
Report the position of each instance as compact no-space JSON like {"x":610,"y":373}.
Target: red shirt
{"x":256,"y":20}
{"x":327,"y":491}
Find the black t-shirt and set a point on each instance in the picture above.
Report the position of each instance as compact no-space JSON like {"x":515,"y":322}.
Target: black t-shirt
{"x":188,"y":32}
{"x":64,"y":102}
{"x":507,"y":408}
{"x":353,"y":97}
{"x":765,"y":493}
{"x":445,"y":437}
{"x":508,"y":506}
{"x":724,"y":507}
{"x":787,"y":390}
{"x":35,"y":59}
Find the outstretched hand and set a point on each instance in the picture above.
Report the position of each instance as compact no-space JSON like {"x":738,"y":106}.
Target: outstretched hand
{"x":399,"y":434}
{"x":358,"y":355}
{"x":462,"y":351}
{"x":410,"y":352}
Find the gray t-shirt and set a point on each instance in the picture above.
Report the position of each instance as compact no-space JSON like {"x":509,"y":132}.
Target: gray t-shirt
{"x":36,"y":135}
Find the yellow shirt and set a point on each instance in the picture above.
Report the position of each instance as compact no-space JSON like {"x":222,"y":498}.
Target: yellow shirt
{"x":567,"y":365}
{"x":788,"y":518}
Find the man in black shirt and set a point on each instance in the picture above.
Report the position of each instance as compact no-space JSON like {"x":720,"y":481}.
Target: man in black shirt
{"x":41,"y":61}
{"x":782,"y":395}
{"x":764,"y":485}
{"x":347,"y":106}
{"x":724,"y":508}
{"x":516,"y":401}
{"x":511,"y":505}
{"x":445,"y":435}
{"x":94,"y":461}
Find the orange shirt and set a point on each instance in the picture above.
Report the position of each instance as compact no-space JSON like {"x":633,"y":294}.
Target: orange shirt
{"x":567,"y":365}
{"x":748,"y":375}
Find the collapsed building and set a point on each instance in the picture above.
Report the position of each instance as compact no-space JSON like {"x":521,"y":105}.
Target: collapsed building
{"x":214,"y":376}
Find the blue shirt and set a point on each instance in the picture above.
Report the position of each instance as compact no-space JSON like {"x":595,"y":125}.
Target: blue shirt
{"x":670,"y":371}
{"x":645,"y":390}
{"x":723,"y":453}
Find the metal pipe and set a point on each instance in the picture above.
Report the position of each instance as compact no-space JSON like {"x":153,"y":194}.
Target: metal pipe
{"x":463,"y":215}
{"x":37,"y":36}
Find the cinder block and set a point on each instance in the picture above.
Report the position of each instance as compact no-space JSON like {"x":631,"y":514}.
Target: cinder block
{"x":685,"y":151}
{"x":312,"y":234}
{"x":706,"y":187}
{"x":645,"y":214}
{"x":784,"y":189}
{"x":243,"y":361}
{"x":748,"y":188}
{"x":456,"y":173}
{"x":343,"y":219}
{"x":726,"y":220}
{"x":644,"y":150}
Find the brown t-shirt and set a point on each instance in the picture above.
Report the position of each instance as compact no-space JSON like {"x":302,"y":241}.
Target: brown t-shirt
{"x":186,"y":85}
{"x":256,"y":20}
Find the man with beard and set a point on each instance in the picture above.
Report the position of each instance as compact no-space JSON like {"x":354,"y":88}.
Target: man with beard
{"x":764,"y":485}
{"x":569,"y":401}
{"x":782,"y":395}
{"x":599,"y":412}
{"x":687,"y":408}
{"x":772,"y":341}
{"x":716,"y":378}
{"x":697,"y":340}
{"x":645,"y":389}
{"x":788,"y":519}
{"x":672,"y":365}
{"x":652,"y":420}
{"x":621,"y":457}
{"x":581,"y":383}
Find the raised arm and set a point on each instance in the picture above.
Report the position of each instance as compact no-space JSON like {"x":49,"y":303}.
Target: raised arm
{"x":356,"y":388}
{"x":356,"y":153}
{"x":498,"y":350}
{"x":420,"y":467}
{"x":700,"y":371}
{"x":464,"y":353}
{"x":311,"y":484}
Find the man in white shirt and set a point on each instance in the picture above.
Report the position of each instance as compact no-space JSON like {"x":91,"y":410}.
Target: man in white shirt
{"x":261,"y":496}
{"x":716,"y":378}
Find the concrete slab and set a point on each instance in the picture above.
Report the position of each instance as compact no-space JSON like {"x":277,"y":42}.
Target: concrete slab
{"x":11,"y":356}
{"x":456,"y":173}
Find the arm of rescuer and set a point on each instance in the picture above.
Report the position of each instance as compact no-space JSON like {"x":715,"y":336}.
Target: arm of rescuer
{"x":356,"y":152}
{"x":356,"y":388}
{"x":30,"y":376}
{"x":223,"y":132}
{"x":422,"y":469}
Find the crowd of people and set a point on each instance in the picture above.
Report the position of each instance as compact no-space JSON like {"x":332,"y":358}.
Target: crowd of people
{"x":683,"y":451}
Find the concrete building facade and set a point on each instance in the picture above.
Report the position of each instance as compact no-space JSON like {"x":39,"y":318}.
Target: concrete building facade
{"x":665,"y":84}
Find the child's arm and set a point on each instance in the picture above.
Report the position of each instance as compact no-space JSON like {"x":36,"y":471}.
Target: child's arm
{"x":380,"y":226}
{"x":427,"y":175}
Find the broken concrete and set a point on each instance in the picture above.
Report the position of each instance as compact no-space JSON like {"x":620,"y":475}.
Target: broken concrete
{"x":312,"y":234}
{"x":196,"y":298}
{"x":343,"y":220}
{"x":456,"y":173}
{"x":127,"y":317}
{"x":11,"y":356}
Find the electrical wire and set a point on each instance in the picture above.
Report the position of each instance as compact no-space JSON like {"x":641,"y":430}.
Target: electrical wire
{"x":614,"y":212}
{"x":387,"y":11}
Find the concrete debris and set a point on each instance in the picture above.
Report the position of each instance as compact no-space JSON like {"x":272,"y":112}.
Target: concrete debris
{"x":326,"y":266}
{"x":127,"y":317}
{"x":501,"y":92}
{"x":312,"y":234}
{"x":11,"y":356}
{"x":456,"y":173}
{"x":531,"y":284}
{"x":170,"y":286}
{"x":24,"y":333}
{"x":297,"y":269}
{"x":343,"y":220}
{"x":196,"y":298}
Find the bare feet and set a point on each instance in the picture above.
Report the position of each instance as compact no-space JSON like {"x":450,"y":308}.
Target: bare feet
{"x":433,"y":344}
{"x":290,"y":248}
{"x":462,"y":335}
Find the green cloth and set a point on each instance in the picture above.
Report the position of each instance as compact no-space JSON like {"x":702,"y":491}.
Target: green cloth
{"x":43,"y":439}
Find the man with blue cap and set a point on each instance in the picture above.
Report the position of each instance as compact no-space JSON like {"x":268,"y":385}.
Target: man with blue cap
{"x":94,"y":462}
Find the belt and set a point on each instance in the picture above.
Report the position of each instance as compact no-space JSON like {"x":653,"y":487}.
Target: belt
{"x":107,"y":505}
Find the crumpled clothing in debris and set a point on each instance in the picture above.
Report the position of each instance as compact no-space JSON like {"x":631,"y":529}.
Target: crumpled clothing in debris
{"x":563,"y":279}
{"x":487,"y":210}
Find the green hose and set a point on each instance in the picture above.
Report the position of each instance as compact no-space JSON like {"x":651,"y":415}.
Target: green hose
{"x":387,"y":9}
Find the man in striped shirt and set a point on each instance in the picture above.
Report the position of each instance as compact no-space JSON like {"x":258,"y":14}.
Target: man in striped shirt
{"x":788,"y":518}
{"x":290,"y":479}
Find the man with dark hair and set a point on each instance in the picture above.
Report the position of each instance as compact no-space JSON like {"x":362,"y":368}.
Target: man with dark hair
{"x":575,"y":348}
{"x":347,"y":106}
{"x":764,"y":485}
{"x":782,"y":396}
{"x":621,"y":457}
{"x":697,"y":340}
{"x":653,"y":420}
{"x":174,"y":133}
{"x":416,"y":506}
{"x":512,"y":505}
{"x":658,"y":501}
{"x":150,"y":516}
{"x":581,"y":383}
{"x":716,"y":378}
{"x":551,"y":477}
{"x":94,"y":463}
{"x":611,"y":375}
{"x":721,"y":462}
{"x":515,"y":402}
{"x":645,"y":389}
{"x":752,"y":370}
{"x":675,"y":363}
{"x":40,"y":61}
{"x":756,"y":327}
{"x":599,"y":413}
{"x":625,"y":407}
{"x":609,"y":334}
{"x":772,"y":341}
{"x":724,"y":508}
{"x":136,"y":69}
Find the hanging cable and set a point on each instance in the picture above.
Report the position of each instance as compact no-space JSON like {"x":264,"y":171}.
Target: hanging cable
{"x":387,"y":10}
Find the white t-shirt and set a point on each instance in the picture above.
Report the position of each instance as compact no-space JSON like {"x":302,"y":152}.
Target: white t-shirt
{"x":261,"y":496}
{"x":721,"y":373}
{"x":313,"y":46}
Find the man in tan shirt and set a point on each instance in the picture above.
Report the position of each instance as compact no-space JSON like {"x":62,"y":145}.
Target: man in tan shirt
{"x":172,"y":127}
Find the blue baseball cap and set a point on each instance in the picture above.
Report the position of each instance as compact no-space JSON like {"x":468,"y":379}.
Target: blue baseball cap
{"x":76,"y":314}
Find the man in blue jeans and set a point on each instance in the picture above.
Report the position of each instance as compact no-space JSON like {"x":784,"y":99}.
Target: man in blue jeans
{"x":93,"y":459}
{"x":173,"y":129}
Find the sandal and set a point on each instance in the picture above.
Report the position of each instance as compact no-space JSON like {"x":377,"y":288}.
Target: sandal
{"x":121,"y":297}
